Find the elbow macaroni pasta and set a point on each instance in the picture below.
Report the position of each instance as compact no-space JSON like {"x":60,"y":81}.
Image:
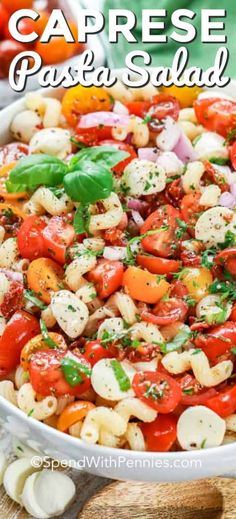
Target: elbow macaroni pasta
{"x":26,"y":399}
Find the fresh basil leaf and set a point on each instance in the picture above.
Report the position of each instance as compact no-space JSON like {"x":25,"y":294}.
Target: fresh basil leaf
{"x":46,"y":337}
{"x":219,"y":161}
{"x":32,"y":297}
{"x":72,"y":371}
{"x":89,"y":183}
{"x":121,"y":377}
{"x":35,"y":170}
{"x":82,"y":219}
{"x":105,"y":156}
{"x":15,"y":188}
{"x":180,"y":339}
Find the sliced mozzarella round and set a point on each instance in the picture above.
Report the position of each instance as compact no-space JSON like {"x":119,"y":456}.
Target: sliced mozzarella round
{"x":113,"y":326}
{"x":29,"y":500}
{"x":15,"y":477}
{"x":143,"y":177}
{"x":53,"y":141}
{"x":199,"y":427}
{"x":213,"y":310}
{"x":70,"y":313}
{"x":150,"y":365}
{"x":105,"y":383}
{"x":209,"y":145}
{"x":25,"y":125}
{"x":3,"y":466}
{"x":54,"y":491}
{"x":210,"y":196}
{"x":213,"y":224}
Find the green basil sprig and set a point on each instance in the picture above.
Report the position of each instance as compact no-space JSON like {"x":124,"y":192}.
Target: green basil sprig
{"x":36,"y":170}
{"x":72,"y":371}
{"x":106,"y":156}
{"x":88,"y":183}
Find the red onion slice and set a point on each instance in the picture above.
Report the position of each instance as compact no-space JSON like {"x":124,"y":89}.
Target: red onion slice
{"x":227,"y":200}
{"x":13,"y":276}
{"x":148,"y":154}
{"x":106,"y":118}
{"x":184,"y":149}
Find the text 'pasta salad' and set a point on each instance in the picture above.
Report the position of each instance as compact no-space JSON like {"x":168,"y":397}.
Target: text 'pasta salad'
{"x":118,"y":266}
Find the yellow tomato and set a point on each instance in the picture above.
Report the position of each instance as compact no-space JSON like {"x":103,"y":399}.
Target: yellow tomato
{"x":197,"y":281}
{"x":82,"y":100}
{"x":185,"y":95}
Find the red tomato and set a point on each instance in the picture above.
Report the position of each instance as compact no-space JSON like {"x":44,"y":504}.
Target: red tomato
{"x":12,"y":152}
{"x":167,"y":312}
{"x":107,"y":277}
{"x":14,"y":5}
{"x":30,"y":239}
{"x":227,"y":258}
{"x":215,"y":176}
{"x":163,"y":106}
{"x":8,"y":51}
{"x":47,"y":377}
{"x":57,"y":236}
{"x":19,"y":330}
{"x":122,"y":146}
{"x":178,"y":289}
{"x":219,"y":340}
{"x":232,"y":316}
{"x":233,"y":155}
{"x":159,"y":391}
{"x":216,"y":115}
{"x":95,"y":351}
{"x":92,"y":136}
{"x":224,"y":403}
{"x":13,"y":300}
{"x":174,"y":192}
{"x":138,"y":108}
{"x":159,"y":266}
{"x":190,"y":209}
{"x":163,"y":243}
{"x":161,"y":434}
{"x":25,"y":26}
{"x":192,"y":392}
{"x":4,"y":17}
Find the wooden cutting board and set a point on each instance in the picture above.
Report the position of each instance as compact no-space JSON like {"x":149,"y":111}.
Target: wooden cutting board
{"x":103,"y":499}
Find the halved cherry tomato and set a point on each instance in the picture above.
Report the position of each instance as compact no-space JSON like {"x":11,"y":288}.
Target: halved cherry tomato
{"x":161,"y":434}
{"x":197,"y":281}
{"x":232,"y":316}
{"x":138,"y":108}
{"x":163,"y":243}
{"x":193,"y":393}
{"x":13,"y":5}
{"x":13,"y":299}
{"x":224,"y":403}
{"x":25,"y":26}
{"x":13,"y":152}
{"x":82,"y":100}
{"x":40,"y":24}
{"x":233,"y":155}
{"x":94,"y":135}
{"x":57,"y":236}
{"x":19,"y":330}
{"x":216,"y":115}
{"x":218,"y":341}
{"x":47,"y":377}
{"x":95,"y":351}
{"x":74,"y":412}
{"x":107,"y":277}
{"x":167,"y":312}
{"x":30,"y":239}
{"x":122,"y":146}
{"x":178,"y":289}
{"x":215,"y":176}
{"x":190,"y":210}
{"x":186,"y":95}
{"x":143,"y":285}
{"x":227,"y":258}
{"x":9,"y":49}
{"x":163,"y":106}
{"x":57,"y":49}
{"x":159,"y":391}
{"x":158,"y":265}
{"x":45,"y":276}
{"x":4,"y":173}
{"x":38,"y":343}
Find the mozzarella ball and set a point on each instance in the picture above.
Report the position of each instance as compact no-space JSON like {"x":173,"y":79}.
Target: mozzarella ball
{"x":25,"y":125}
{"x":213,"y":225}
{"x":105,"y":383}
{"x":143,"y":177}
{"x":199,"y":427}
{"x":52,"y":141}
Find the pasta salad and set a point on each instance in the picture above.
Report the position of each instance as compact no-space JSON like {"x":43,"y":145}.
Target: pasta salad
{"x":118,"y":266}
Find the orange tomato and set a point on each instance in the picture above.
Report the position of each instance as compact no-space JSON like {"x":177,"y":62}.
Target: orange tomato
{"x":38,"y":343}
{"x":144,"y":286}
{"x":74,"y":413}
{"x":81,"y":100}
{"x":185,"y":95}
{"x":4,"y":173}
{"x":45,"y":276}
{"x":40,"y":24}
{"x":57,"y":49}
{"x":197,"y":281}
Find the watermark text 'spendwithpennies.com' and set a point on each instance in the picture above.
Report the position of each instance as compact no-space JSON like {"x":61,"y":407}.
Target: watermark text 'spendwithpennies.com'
{"x":108,"y":462}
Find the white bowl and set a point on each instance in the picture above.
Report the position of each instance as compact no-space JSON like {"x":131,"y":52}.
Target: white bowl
{"x":105,"y":461}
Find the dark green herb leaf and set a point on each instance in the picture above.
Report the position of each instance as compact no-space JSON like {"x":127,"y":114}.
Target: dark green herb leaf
{"x":121,"y":377}
{"x":82,"y":219}
{"x":207,"y":258}
{"x":104,"y":156}
{"x":32,"y":297}
{"x":219,"y":161}
{"x":72,"y":371}
{"x":180,"y":339}
{"x":89,"y":183}
{"x":35,"y":170}
{"x":46,"y":337}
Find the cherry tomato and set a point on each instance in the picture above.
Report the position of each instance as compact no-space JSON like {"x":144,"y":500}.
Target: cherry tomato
{"x":94,"y":135}
{"x":162,"y":106}
{"x":224,"y":403}
{"x":25,"y":26}
{"x":190,"y":210}
{"x":219,"y":340}
{"x":161,"y":434}
{"x":193,"y":393}
{"x":14,"y":5}
{"x":215,"y":176}
{"x":185,"y":95}
{"x":57,"y":236}
{"x":163,"y":243}
{"x":144,"y":286}
{"x":216,"y":115}
{"x":122,"y":146}
{"x":167,"y":312}
{"x":41,"y":23}
{"x":13,"y":299}
{"x":156,"y":265}
{"x":47,"y":377}
{"x":107,"y":277}
{"x":9,"y":49}
{"x":232,"y":316}
{"x":95,"y":351}
{"x":83,"y":100}
{"x":74,"y":412}
{"x":57,"y":49}
{"x":13,"y":152}
{"x":30,"y":239}
{"x":138,"y":108}
{"x":4,"y":17}
{"x":233,"y":155}
{"x":178,"y":289}
{"x":159,"y":391}
{"x":197,"y":281}
{"x":19,"y":330}
{"x":227,"y":258}
{"x":174,"y":192}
